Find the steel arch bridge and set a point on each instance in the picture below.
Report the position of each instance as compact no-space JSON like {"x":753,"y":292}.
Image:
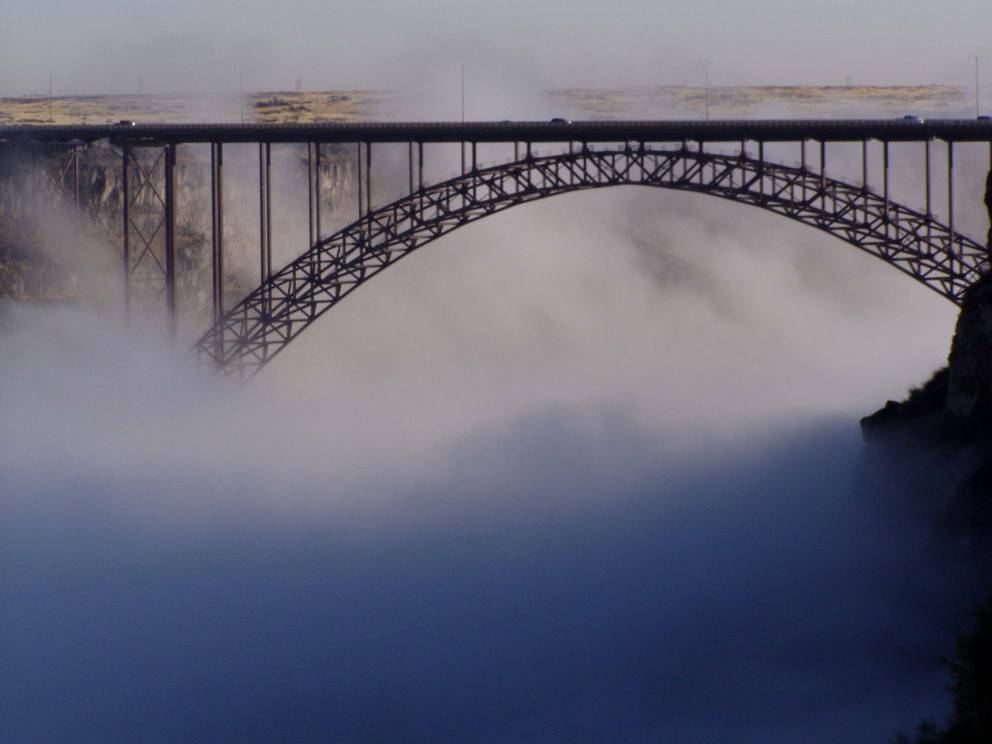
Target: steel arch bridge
{"x":254,"y":331}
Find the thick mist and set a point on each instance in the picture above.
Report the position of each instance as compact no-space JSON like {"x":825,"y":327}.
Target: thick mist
{"x":587,"y":470}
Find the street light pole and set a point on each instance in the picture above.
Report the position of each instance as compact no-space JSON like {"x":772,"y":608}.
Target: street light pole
{"x":978,"y":95}
{"x":706,"y":86}
{"x":51,"y":113}
{"x":462,"y":69}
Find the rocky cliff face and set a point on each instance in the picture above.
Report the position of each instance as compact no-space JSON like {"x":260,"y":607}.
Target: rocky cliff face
{"x":988,"y":206}
{"x":945,"y":427}
{"x":969,"y":382}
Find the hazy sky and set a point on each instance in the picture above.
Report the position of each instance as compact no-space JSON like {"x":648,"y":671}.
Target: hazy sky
{"x":187,"y":45}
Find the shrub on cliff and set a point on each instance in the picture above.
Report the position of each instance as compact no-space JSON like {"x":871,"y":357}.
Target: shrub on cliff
{"x":970,"y":688}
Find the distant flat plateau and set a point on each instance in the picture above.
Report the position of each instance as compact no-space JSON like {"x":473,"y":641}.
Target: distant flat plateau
{"x":664,"y":102}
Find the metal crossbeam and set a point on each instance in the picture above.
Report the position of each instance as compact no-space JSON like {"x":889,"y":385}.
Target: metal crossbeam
{"x":148,"y":215}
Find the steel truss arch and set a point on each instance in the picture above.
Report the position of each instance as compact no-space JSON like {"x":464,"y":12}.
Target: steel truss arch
{"x":254,"y":331}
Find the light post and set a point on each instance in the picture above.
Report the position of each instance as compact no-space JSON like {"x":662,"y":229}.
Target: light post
{"x":706,"y":86}
{"x":978,"y":95}
{"x":462,"y":70}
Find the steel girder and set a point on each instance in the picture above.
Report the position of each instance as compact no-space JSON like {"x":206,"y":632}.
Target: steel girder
{"x":253,"y":332}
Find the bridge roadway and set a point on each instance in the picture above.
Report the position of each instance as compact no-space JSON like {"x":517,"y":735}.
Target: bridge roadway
{"x":780,"y":130}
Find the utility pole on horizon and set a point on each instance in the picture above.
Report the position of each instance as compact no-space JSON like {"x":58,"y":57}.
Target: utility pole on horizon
{"x":978,"y":95}
{"x":706,"y":86}
{"x":462,"y":69}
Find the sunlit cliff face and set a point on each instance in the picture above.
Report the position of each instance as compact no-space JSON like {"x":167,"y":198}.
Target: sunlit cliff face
{"x":583,"y":470}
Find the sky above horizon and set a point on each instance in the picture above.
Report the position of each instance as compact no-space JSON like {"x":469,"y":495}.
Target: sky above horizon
{"x":188,"y":47}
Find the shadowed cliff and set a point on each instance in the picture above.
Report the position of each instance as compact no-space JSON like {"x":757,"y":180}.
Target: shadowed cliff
{"x":945,"y":426}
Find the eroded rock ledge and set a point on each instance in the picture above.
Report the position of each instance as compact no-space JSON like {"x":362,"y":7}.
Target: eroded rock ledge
{"x":942,"y":432}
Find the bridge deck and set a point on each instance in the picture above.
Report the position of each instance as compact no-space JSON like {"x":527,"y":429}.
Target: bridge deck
{"x":783,"y":130}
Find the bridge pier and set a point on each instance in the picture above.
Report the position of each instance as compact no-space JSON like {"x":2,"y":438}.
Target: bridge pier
{"x":148,"y":216}
{"x":361,"y":177}
{"x":950,"y":203}
{"x":217,"y":226}
{"x":170,"y":238}
{"x":368,"y":182}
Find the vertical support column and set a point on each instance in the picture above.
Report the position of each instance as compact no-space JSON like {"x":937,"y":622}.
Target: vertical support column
{"x":802,"y":166}
{"x":761,"y":167}
{"x":823,"y":175}
{"x":261,"y":213}
{"x":264,"y":219}
{"x":950,"y":201}
{"x":368,"y":189}
{"x":318,"y":189}
{"x":126,"y":213}
{"x":410,"y":164}
{"x":217,"y":225}
{"x":220,"y":229}
{"x":864,"y":165}
{"x":368,"y":184}
{"x":313,"y":265}
{"x":361,"y":189}
{"x":864,"y":181}
{"x":420,"y":165}
{"x":885,"y":183}
{"x":516,"y":151}
{"x":268,"y":209}
{"x":475,"y":170}
{"x":420,"y":176}
{"x":170,"y":238}
{"x":310,"y":213}
{"x":926,"y":156}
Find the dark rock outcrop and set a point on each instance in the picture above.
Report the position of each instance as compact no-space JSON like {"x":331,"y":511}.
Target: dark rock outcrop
{"x":969,"y":385}
{"x":988,"y":206}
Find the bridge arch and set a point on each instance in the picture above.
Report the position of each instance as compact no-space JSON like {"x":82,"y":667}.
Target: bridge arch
{"x":254,"y":331}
